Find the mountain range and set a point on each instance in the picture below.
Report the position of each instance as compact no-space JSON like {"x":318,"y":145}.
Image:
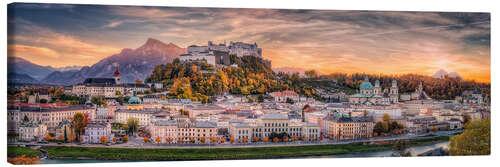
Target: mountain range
{"x":133,"y":64}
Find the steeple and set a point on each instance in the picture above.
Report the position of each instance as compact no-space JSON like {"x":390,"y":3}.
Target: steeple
{"x":117,"y":76}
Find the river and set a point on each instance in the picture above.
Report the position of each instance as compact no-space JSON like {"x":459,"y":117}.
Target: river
{"x":414,"y":150}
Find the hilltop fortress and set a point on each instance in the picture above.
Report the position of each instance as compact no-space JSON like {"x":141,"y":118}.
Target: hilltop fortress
{"x":218,"y":54}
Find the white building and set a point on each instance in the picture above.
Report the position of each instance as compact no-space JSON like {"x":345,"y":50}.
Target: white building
{"x":272,"y":123}
{"x":32,"y":131}
{"x":144,"y":116}
{"x":184,"y":131}
{"x":95,"y":130}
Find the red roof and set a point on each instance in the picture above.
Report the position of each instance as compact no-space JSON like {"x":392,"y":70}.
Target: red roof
{"x":284,"y":93}
{"x":117,"y":72}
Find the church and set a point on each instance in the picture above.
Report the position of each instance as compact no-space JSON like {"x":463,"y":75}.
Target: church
{"x":373,"y":95}
{"x":107,"y":87}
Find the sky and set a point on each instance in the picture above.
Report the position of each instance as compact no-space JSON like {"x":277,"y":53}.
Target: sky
{"x":327,"y":41}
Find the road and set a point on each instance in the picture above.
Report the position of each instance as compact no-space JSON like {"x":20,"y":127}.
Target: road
{"x":137,"y":142}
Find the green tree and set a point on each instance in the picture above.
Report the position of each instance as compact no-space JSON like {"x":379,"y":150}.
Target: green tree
{"x":26,"y":119}
{"x":132,"y":124}
{"x":475,"y":140}
{"x":260,"y":98}
{"x":79,"y":123}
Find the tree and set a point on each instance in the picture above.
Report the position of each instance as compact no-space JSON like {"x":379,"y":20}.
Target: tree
{"x":231,"y":139}
{"x":321,"y":137}
{"x":260,"y":98}
{"x":168,"y":140}
{"x":48,"y":137}
{"x":475,"y":140}
{"x":132,"y":124}
{"x":103,"y":139}
{"x":285,"y":139}
{"x":304,"y":138}
{"x":266,"y":139}
{"x":23,"y":160}
{"x":222,"y":140}
{"x":146,"y":139}
{"x":213,"y":139}
{"x":379,"y":127}
{"x":386,"y":117}
{"x":192,"y":140}
{"x":202,"y":139}
{"x":125,"y":139}
{"x":275,"y":139}
{"x":158,"y":140}
{"x":244,"y":140}
{"x":118,"y":93}
{"x":255,"y":139}
{"x":114,"y":139}
{"x":79,"y":124}
{"x":60,"y":138}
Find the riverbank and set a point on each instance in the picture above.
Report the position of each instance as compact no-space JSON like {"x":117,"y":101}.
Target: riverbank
{"x":177,"y":154}
{"x":15,"y":151}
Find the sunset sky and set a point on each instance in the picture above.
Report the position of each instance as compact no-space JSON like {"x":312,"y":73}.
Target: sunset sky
{"x":328,"y":41}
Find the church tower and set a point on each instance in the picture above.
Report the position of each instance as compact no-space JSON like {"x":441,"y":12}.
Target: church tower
{"x":117,"y":76}
{"x":394,"y":94}
{"x":377,"y":89}
{"x":420,"y":87}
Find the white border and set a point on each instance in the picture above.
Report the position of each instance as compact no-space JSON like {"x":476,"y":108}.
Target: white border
{"x":393,"y":5}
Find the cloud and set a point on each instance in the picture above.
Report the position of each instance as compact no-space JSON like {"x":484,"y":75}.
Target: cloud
{"x":31,"y":51}
{"x":68,"y":48}
{"x":326,"y":40}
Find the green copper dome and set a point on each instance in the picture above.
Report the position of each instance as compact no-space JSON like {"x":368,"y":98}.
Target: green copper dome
{"x":366,"y":85}
{"x":134,"y":100}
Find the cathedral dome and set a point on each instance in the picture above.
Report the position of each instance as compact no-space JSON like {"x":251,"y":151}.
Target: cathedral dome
{"x":366,"y":85}
{"x":134,"y":100}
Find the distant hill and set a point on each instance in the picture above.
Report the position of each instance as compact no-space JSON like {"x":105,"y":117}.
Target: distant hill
{"x":133,"y":64}
{"x":17,"y":66}
{"x":20,"y":78}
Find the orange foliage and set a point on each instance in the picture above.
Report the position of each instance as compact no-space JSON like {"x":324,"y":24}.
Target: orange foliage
{"x":158,"y":140}
{"x":23,"y":160}
{"x":103,"y":139}
{"x":275,"y":139}
{"x":231,"y":140}
{"x":202,"y":139}
{"x":255,"y":139}
{"x":48,"y":137}
{"x":266,"y":139}
{"x":146,"y":139}
{"x":125,"y":139}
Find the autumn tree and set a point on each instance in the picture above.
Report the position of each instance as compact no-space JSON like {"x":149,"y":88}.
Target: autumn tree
{"x":275,"y":139}
{"x":213,"y":139}
{"x":23,"y":160}
{"x":222,"y":140}
{"x":304,"y":138}
{"x":125,"y":139}
{"x":255,"y":139}
{"x":285,"y":138}
{"x":114,"y":139}
{"x":231,"y":139}
{"x":60,"y":138}
{"x":266,"y":139}
{"x":103,"y":139}
{"x":132,"y":124}
{"x":244,"y":140}
{"x":146,"y":139}
{"x":48,"y":137}
{"x":79,"y":123}
{"x":475,"y":140}
{"x":158,"y":140}
{"x":202,"y":139}
{"x":192,"y":140}
{"x":168,"y":140}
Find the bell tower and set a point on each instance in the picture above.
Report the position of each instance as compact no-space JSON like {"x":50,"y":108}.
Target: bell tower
{"x":117,"y":76}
